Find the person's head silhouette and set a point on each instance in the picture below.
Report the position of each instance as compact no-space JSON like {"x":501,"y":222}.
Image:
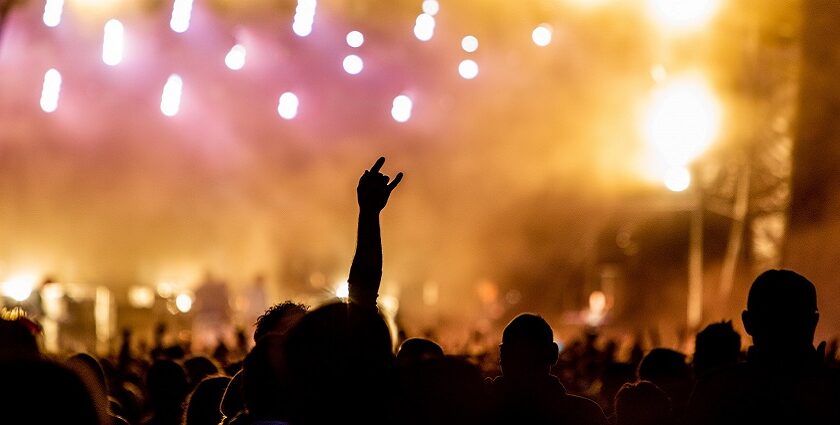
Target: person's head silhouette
{"x":528,"y":350}
{"x":781,"y":314}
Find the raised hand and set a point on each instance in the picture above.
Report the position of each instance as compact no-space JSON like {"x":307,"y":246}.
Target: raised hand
{"x":374,"y":188}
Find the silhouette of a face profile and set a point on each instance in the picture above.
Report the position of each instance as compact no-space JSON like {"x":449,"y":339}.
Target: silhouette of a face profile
{"x":528,"y":349}
{"x":781,"y":312}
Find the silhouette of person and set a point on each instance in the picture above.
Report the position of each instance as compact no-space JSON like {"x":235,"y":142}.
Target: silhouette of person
{"x":279,"y":319}
{"x":784,"y":379}
{"x":642,"y":403}
{"x":669,"y":371}
{"x":715,"y":347}
{"x":527,"y":392}
{"x":202,"y":405}
{"x":417,"y":350}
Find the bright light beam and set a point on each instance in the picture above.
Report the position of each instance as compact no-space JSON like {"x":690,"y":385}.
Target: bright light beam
{"x":112,"y":42}
{"x":682,"y":15}
{"x":181,"y":12}
{"x":52,"y":12}
{"x":469,"y":43}
{"x":468,"y":69}
{"x":304,"y":17}
{"x":353,"y":64}
{"x":287,"y":105}
{"x":401,"y":108}
{"x":431,"y":7}
{"x":424,"y":27}
{"x":51,"y":90}
{"x":235,"y":58}
{"x":355,"y":39}
{"x":170,"y":100}
{"x":542,"y":35}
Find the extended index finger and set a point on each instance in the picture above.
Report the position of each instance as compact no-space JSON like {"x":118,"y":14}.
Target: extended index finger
{"x":377,"y":165}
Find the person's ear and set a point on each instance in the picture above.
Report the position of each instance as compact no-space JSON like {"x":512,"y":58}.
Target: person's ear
{"x":554,"y":353}
{"x":747,"y":319}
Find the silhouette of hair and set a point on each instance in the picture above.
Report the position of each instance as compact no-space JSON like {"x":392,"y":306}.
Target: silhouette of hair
{"x":642,"y":403}
{"x":200,"y":367}
{"x":43,"y":392}
{"x":415,"y":350}
{"x":528,"y":346}
{"x":661,"y":364}
{"x":280,"y":318}
{"x":203,"y":404}
{"x":716,"y":346}
{"x":781,"y":310}
{"x":339,"y":355}
{"x":166,"y":388}
{"x":18,"y":340}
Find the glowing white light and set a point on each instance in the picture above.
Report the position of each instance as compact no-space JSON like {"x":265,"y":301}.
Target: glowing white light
{"x":542,"y":35}
{"x":235,"y":58}
{"x":170,"y":100}
{"x":597,"y":308}
{"x":658,"y":73}
{"x":431,"y":7}
{"x":165,"y":289}
{"x":682,"y":15}
{"x":468,"y":69}
{"x":424,"y":27}
{"x":469,"y":43}
{"x":184,"y":302}
{"x":677,"y":179}
{"x":19,"y":287}
{"x":51,"y":90}
{"x":353,"y":64}
{"x":287,"y":106}
{"x":181,"y":12}
{"x":355,"y":39}
{"x":304,"y":17}
{"x":401,"y":109}
{"x":141,"y":297}
{"x":342,"y":290}
{"x":682,"y":120}
{"x":112,"y":43}
{"x":52,"y":12}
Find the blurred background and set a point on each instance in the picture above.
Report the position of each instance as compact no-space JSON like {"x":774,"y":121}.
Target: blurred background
{"x":622,"y":165}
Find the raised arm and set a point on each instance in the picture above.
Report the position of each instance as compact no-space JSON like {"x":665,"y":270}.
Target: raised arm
{"x":366,"y":271}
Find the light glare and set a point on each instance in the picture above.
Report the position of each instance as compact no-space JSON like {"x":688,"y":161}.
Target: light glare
{"x":52,"y":12}
{"x":682,"y":15}
{"x":431,"y":7}
{"x":235,"y":58}
{"x":401,"y":109}
{"x":353,"y":64}
{"x":184,"y":302}
{"x":304,"y":17}
{"x":468,"y":69}
{"x":469,"y":43}
{"x":424,"y":27}
{"x":112,"y":42}
{"x":20,"y":287}
{"x":170,"y":100}
{"x":677,"y":179}
{"x":355,"y":39}
{"x":287,"y":106}
{"x":542,"y":35}
{"x":181,"y":12}
{"x":342,"y":290}
{"x":51,"y":90}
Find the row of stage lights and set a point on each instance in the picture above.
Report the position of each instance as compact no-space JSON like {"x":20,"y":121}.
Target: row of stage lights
{"x":235,"y":59}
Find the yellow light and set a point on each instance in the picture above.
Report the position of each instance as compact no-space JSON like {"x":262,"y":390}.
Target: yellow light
{"x":141,"y":297}
{"x":112,"y":43}
{"x":682,"y":15}
{"x":287,"y":105}
{"x":469,"y":43}
{"x":424,"y":27}
{"x":184,"y":302}
{"x":355,"y":39}
{"x":401,"y":109}
{"x":19,"y":287}
{"x":51,"y":90}
{"x":342,"y":290}
{"x":181,"y":12}
{"x":170,"y":100}
{"x":468,"y":69}
{"x":353,"y":64}
{"x":431,"y":7}
{"x":235,"y":58}
{"x":165,"y":289}
{"x":52,"y":12}
{"x":682,"y":120}
{"x":597,"y":308}
{"x":677,"y":179}
{"x":542,"y":35}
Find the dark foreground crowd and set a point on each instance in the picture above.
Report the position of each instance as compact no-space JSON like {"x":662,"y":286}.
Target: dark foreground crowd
{"x":334,"y":364}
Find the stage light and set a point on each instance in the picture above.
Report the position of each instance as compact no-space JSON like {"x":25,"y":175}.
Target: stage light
{"x":424,"y":27}
{"x":542,"y":35}
{"x":677,"y":179}
{"x":401,"y":109}
{"x":469,"y":44}
{"x":181,"y":12}
{"x":353,"y":64}
{"x":304,"y":17}
{"x":431,"y":7}
{"x":19,"y":287}
{"x":468,"y":69}
{"x":235,"y":58}
{"x":184,"y":302}
{"x":51,"y":90}
{"x":170,"y":100}
{"x":287,"y":106}
{"x":342,"y":290}
{"x":355,"y":39}
{"x":52,"y":12}
{"x":112,"y":42}
{"x":682,"y":15}
{"x":141,"y":297}
{"x":682,"y":119}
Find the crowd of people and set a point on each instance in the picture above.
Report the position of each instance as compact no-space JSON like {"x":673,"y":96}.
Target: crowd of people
{"x":335,"y":363}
